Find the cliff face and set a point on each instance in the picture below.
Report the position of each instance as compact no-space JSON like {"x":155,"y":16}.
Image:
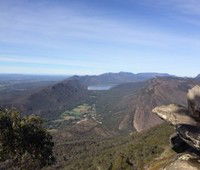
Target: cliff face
{"x":158,"y":92}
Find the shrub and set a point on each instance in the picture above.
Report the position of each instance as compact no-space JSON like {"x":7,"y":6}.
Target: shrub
{"x":24,"y":140}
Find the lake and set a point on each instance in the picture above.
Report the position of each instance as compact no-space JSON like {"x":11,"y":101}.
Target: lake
{"x":100,"y":87}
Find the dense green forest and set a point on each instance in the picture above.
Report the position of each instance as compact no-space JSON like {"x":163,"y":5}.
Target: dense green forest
{"x":133,"y":151}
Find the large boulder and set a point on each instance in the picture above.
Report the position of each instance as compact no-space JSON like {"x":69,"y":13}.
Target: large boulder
{"x":175,"y":114}
{"x":185,"y":120}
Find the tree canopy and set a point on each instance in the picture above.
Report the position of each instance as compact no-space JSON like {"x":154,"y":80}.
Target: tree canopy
{"x":24,"y":141}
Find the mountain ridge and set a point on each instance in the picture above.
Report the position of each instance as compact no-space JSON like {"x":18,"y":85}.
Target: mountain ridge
{"x":158,"y":92}
{"x":117,"y":78}
{"x":61,"y":96}
{"x":126,"y":106}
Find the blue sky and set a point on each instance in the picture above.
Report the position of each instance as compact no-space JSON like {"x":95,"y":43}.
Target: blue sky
{"x":97,"y":36}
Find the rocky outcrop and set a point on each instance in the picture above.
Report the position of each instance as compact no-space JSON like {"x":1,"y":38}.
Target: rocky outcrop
{"x":184,"y":162}
{"x":187,"y":124}
{"x":190,"y":134}
{"x":175,"y":114}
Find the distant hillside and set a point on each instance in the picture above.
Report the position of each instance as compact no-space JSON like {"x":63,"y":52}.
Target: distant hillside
{"x":128,"y":106}
{"x":52,"y":100}
{"x":198,"y":77}
{"x":122,"y":109}
{"x":158,"y":92}
{"x":104,"y":113}
{"x":113,"y":106}
{"x":117,"y":78}
{"x":15,"y":87}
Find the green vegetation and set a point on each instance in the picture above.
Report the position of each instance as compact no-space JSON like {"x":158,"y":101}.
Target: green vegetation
{"x":117,"y":153}
{"x":69,"y":117}
{"x":79,"y":112}
{"x":165,"y":158}
{"x":24,"y":143}
{"x":93,"y":143}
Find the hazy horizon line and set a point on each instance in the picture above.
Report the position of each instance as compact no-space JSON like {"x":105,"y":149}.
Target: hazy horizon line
{"x":75,"y":74}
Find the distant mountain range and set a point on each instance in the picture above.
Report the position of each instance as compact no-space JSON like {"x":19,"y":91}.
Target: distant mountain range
{"x":124,"y":108}
{"x":100,"y":125}
{"x":117,"y":78}
{"x":51,"y":101}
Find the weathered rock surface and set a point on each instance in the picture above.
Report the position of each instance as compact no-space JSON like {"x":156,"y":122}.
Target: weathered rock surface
{"x":177,"y":144}
{"x":193,"y":97}
{"x":190,"y":134}
{"x":184,"y":162}
{"x":187,"y":136}
{"x":175,"y":114}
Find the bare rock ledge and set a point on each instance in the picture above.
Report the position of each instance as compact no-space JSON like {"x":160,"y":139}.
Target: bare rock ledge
{"x":186,"y":140}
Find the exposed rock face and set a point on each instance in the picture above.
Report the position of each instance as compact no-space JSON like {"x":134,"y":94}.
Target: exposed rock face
{"x":190,"y":134}
{"x":177,"y":144}
{"x":184,"y":162}
{"x":175,"y":114}
{"x":187,"y":124}
{"x":194,"y":102}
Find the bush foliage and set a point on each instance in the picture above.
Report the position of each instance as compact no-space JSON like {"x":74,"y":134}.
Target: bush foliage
{"x":24,"y":141}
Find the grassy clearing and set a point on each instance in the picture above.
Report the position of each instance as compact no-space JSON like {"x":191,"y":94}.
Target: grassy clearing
{"x":79,"y":111}
{"x":69,"y":117}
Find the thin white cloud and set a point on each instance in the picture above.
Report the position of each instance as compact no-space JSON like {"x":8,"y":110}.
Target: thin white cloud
{"x":57,"y":61}
{"x":58,"y":27}
{"x":70,"y":31}
{"x":186,"y":7}
{"x":48,"y":71}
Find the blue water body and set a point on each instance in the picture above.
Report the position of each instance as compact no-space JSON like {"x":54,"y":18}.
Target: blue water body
{"x":100,"y":87}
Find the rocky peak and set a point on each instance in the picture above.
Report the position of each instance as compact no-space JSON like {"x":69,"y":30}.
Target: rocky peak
{"x":186,"y":140}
